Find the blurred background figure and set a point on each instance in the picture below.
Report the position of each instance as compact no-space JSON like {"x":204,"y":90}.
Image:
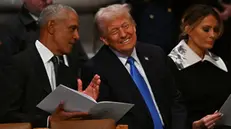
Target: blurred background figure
{"x":223,"y":45}
{"x":156,"y":23}
{"x":226,"y":14}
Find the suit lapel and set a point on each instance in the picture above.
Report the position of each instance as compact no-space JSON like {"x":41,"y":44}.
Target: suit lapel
{"x":70,"y":62}
{"x":149,"y":68}
{"x":39,"y":70}
{"x":121,"y":75}
{"x":151,"y":71}
{"x":145,"y":60}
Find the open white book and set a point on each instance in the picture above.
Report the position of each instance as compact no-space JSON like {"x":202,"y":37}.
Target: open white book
{"x":77,"y":101}
{"x":225,"y":110}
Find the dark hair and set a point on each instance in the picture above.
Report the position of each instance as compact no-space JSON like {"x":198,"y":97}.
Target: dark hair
{"x":195,"y":14}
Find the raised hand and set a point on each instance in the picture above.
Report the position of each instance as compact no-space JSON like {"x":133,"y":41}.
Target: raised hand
{"x":92,"y":89}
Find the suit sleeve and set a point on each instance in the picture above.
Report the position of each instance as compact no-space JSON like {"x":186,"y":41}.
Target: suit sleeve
{"x":7,"y":45}
{"x":12,"y":36}
{"x":179,"y":112}
{"x":105,"y":93}
{"x":17,"y":79}
{"x":5,"y":93}
{"x":87,"y":73}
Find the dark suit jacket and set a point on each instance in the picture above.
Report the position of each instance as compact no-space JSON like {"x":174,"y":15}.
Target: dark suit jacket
{"x":117,"y":85}
{"x":30,"y":85}
{"x":156,"y":23}
{"x":21,"y":31}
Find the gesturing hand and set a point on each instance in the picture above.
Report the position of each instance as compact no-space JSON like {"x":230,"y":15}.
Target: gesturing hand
{"x":92,"y":89}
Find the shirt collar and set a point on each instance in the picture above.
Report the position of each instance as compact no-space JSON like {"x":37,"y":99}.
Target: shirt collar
{"x":183,"y":56}
{"x":26,"y":17}
{"x":34,"y":17}
{"x":44,"y":52}
{"x":124,"y":58}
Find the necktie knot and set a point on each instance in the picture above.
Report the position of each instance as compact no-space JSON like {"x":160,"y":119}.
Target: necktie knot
{"x":55,"y":60}
{"x":130,"y":60}
{"x":63,"y":74}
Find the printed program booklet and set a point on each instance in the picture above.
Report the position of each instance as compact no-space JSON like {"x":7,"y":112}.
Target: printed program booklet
{"x":77,"y":101}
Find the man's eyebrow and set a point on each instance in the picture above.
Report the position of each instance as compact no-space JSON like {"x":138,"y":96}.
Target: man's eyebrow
{"x":74,"y":26}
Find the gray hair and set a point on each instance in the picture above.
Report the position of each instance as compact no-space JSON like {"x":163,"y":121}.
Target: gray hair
{"x":109,"y":13}
{"x":53,"y":12}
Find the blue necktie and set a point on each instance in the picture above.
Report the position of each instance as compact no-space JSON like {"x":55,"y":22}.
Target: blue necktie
{"x":143,"y":88}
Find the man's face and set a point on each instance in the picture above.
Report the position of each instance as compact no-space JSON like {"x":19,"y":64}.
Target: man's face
{"x":66,"y":33}
{"x":36,"y":6}
{"x":120,"y":35}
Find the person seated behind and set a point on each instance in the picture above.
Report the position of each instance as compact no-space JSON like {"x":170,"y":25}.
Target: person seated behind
{"x":155,"y":22}
{"x":44,"y":65}
{"x":134,"y":72}
{"x":23,"y":30}
{"x":201,"y":76}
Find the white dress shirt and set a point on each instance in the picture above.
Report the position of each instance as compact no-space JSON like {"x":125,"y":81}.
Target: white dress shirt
{"x":138,"y":65}
{"x":46,"y":56}
{"x":34,"y":17}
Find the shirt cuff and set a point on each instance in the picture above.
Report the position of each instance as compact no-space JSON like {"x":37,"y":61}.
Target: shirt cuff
{"x":48,"y":121}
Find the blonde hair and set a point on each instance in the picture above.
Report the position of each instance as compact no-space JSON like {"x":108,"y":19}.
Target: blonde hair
{"x":109,"y":13}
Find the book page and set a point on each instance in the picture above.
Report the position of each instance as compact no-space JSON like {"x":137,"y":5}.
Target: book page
{"x":84,"y":95}
{"x":109,"y":109}
{"x":73,"y":100}
{"x":225,"y":110}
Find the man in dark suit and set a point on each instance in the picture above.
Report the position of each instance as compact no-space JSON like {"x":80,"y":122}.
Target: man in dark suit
{"x":126,"y":66}
{"x":35,"y":72}
{"x":155,"y":22}
{"x":23,"y":30}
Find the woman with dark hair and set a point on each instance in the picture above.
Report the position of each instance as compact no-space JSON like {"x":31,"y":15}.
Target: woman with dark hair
{"x":201,"y":76}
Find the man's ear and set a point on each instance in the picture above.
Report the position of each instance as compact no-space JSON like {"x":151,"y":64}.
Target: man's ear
{"x":104,"y":40}
{"x":51,"y":27}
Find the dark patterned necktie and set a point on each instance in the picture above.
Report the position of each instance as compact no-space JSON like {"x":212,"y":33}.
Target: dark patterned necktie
{"x":57,"y":61}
